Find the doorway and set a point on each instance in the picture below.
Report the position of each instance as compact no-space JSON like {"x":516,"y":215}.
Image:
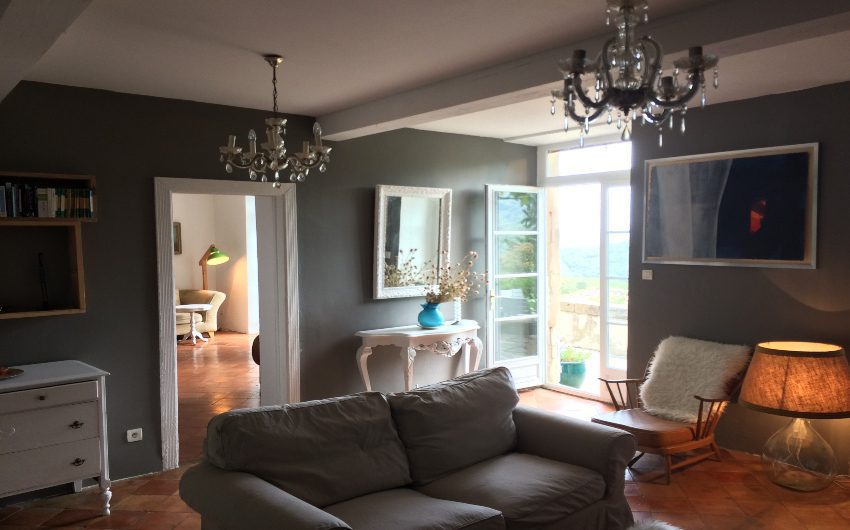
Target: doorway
{"x":558,"y":262}
{"x":215,"y":368}
{"x":277,"y":272}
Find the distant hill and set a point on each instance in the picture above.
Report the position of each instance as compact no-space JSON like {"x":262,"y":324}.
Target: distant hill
{"x":584,"y":261}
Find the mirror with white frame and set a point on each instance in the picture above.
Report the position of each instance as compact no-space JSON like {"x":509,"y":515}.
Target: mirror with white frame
{"x":412,"y":232}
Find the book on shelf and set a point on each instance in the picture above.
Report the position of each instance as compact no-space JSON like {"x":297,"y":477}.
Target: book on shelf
{"x":41,"y":202}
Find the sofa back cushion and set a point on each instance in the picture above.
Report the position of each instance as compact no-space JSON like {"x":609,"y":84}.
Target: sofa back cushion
{"x":451,"y":425}
{"x":322,"y":452}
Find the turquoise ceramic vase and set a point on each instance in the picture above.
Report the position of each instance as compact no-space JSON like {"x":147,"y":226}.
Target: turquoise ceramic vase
{"x":430,"y":316}
{"x":572,"y":373}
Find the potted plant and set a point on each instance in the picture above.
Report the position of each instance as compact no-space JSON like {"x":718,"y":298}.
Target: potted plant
{"x":573,"y":367}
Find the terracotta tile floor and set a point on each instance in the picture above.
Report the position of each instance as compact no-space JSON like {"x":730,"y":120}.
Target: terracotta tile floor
{"x":734,"y":494}
{"x":212,"y":378}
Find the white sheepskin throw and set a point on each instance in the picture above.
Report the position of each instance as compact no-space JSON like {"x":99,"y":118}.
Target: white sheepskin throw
{"x":683,"y":368}
{"x":653,"y":525}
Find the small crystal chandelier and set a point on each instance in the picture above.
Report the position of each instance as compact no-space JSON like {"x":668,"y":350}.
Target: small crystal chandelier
{"x":274,"y":156}
{"x":627,"y":77}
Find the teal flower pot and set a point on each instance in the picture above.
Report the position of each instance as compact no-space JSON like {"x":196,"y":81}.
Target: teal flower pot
{"x":572,"y":374}
{"x":430,"y":316}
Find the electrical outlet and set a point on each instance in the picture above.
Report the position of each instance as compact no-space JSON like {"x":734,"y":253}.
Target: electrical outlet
{"x":134,"y":435}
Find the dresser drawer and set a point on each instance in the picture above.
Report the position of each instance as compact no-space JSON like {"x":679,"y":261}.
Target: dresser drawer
{"x":51,"y":396}
{"x":55,"y":464}
{"x":37,"y":428}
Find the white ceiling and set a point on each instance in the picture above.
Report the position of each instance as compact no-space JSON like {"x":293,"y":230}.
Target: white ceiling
{"x":479,"y":67}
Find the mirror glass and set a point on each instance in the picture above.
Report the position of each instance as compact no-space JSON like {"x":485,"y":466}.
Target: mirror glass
{"x":411,"y":232}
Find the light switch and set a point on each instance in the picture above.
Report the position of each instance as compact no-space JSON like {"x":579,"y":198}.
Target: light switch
{"x":646,"y":274}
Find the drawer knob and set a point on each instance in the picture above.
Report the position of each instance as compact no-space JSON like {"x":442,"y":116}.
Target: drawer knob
{"x":77,"y":424}
{"x":42,"y":398}
{"x":78,"y":462}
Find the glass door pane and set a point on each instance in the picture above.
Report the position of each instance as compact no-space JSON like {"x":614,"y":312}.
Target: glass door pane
{"x":513,"y":260}
{"x":575,"y":340}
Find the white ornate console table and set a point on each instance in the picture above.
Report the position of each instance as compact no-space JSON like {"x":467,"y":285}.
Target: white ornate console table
{"x":446,"y":340}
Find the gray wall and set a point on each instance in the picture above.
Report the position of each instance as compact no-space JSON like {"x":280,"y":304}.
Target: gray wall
{"x":751,"y":305}
{"x":125,"y":141}
{"x":336,"y":242}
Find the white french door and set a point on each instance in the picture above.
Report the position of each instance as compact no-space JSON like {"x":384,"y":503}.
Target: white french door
{"x":515,"y":293}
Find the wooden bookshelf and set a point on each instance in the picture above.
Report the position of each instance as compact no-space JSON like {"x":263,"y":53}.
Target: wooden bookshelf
{"x":26,"y":240}
{"x":51,"y":180}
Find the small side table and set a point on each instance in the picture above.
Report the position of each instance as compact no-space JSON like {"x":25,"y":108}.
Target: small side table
{"x":446,"y":340}
{"x":192,"y":309}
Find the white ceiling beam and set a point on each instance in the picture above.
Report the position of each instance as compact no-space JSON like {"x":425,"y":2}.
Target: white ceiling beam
{"x":725,"y":27}
{"x":28,"y":28}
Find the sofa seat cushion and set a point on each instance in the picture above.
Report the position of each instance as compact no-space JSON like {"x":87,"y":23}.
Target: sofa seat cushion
{"x":404,"y":508}
{"x":322,"y":452}
{"x":450,"y":425}
{"x":530,"y":491}
{"x":183,"y":318}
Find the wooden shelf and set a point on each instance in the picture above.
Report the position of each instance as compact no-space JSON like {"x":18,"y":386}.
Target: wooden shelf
{"x":26,"y":240}
{"x":51,"y":180}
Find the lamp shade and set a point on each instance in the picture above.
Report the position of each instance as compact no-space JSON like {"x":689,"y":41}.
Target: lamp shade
{"x":798,"y":379}
{"x":217,"y":257}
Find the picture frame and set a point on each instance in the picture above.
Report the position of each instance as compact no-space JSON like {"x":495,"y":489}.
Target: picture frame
{"x":748,"y":208}
{"x":177,"y":237}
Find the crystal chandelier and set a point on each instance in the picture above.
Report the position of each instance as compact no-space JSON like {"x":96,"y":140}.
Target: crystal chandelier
{"x":627,"y":78}
{"x":274,"y":156}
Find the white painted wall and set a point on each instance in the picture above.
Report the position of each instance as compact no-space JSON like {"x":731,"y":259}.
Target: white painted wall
{"x":229,"y":222}
{"x":195,"y":214}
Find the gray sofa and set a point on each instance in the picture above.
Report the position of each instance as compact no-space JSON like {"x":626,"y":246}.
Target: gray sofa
{"x":454,"y":455}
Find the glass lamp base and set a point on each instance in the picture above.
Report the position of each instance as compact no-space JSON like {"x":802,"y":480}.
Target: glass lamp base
{"x":797,"y":457}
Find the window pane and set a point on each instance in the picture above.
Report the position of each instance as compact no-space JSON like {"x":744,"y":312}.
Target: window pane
{"x":618,"y":255}
{"x":619,"y":211}
{"x":516,"y":296}
{"x":592,"y":159}
{"x":516,"y":339}
{"x":618,"y":337}
{"x":578,"y":242}
{"x":516,"y":211}
{"x":618,"y":301}
{"x":517,"y":254}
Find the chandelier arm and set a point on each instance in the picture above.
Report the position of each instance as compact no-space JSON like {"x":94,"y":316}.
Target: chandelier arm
{"x":580,"y":119}
{"x":585,"y":100}
{"x":655,"y":120}
{"x":237,"y":162}
{"x":609,"y":81}
{"x":684,"y":98}
{"x":655,"y":67}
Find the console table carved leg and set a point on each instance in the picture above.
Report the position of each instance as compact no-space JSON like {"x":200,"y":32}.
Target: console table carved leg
{"x":463,"y":364}
{"x":363,"y":353}
{"x":408,"y":356}
{"x":477,"y":346}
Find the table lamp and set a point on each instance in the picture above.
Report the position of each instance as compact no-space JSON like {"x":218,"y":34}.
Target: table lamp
{"x":212,"y":256}
{"x":802,"y":380}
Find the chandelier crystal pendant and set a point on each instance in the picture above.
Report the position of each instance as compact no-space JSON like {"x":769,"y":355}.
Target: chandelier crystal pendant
{"x":273,"y":155}
{"x":627,"y":78}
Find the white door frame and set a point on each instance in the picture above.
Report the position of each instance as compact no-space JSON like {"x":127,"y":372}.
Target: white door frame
{"x":521,"y":378}
{"x":277,"y":257}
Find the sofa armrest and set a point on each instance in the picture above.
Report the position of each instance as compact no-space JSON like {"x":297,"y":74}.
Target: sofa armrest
{"x":235,"y":500}
{"x":603,"y":449}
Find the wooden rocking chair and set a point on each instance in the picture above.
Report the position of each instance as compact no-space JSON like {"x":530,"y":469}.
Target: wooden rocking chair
{"x":693,"y":439}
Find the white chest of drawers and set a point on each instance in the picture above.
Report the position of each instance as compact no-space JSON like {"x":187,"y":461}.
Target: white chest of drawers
{"x":53,"y":428}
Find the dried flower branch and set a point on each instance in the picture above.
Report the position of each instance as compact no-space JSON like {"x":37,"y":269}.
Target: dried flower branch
{"x":447,"y":282}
